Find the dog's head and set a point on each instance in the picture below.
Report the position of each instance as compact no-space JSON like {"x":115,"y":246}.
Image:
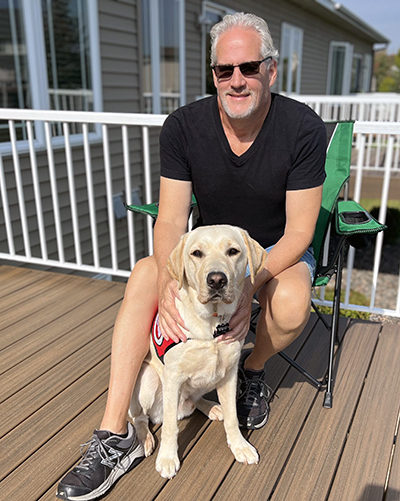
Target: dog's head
{"x":212,"y":260}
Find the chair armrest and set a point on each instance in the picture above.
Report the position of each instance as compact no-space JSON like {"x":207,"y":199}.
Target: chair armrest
{"x":352,"y":218}
{"x":148,"y":209}
{"x":152,"y":209}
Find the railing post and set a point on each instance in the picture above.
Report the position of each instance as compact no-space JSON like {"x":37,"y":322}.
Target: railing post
{"x":147,"y":183}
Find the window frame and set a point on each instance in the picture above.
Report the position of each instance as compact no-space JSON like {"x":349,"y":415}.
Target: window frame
{"x":38,"y":79}
{"x":292,"y":30}
{"x":348,"y":62}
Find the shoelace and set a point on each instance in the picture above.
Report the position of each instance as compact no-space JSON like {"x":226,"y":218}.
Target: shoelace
{"x":95,"y":448}
{"x":256,"y":388}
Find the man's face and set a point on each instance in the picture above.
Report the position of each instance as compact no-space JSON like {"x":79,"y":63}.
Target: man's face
{"x":240,"y":96}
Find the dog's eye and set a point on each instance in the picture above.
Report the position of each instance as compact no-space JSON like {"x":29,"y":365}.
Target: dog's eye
{"x":233,"y":251}
{"x":197,"y":253}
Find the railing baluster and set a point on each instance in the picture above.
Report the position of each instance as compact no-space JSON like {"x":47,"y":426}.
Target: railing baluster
{"x":20,"y":190}
{"x":54,"y":193}
{"x":128,"y":195}
{"x":382,"y":216}
{"x":72,"y":195}
{"x":91,"y":200}
{"x":109,"y":193}
{"x":356,"y":197}
{"x":6,"y":210}
{"x":147,"y":183}
{"x":37,"y":192}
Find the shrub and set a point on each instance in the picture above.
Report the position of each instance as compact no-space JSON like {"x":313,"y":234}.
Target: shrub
{"x":392,"y":234}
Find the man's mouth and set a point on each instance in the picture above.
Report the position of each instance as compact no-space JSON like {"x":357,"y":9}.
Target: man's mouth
{"x":238,"y":96}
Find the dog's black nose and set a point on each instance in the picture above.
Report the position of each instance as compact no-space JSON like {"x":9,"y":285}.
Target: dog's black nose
{"x":216,"y":280}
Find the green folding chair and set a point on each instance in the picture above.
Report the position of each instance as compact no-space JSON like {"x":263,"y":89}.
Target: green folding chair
{"x":339,"y":222}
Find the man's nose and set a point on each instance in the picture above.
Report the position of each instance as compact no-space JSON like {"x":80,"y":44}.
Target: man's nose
{"x":237,"y":79}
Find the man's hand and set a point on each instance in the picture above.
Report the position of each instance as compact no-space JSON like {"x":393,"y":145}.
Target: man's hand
{"x":240,"y":321}
{"x":171,"y":323}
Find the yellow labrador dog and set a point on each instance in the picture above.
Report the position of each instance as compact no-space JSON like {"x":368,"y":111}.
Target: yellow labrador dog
{"x":209,"y":264}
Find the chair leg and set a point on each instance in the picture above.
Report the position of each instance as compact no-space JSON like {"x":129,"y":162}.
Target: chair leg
{"x":328,"y":400}
{"x":314,"y":381}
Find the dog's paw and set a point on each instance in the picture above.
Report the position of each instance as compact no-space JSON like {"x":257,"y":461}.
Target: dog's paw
{"x":149,"y":444}
{"x":210,"y":409}
{"x":245,"y":453}
{"x":215,"y":413}
{"x":167,"y":467}
{"x":145,"y":437}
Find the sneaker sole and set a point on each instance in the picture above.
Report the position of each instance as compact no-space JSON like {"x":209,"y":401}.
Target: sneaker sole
{"x":127,"y":464}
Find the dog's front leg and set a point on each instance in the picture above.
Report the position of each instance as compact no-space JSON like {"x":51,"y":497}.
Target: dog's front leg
{"x":167,"y":463}
{"x":243,"y":451}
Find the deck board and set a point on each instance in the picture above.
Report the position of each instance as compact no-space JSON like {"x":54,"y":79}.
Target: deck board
{"x":55,"y":337}
{"x":364,"y":464}
{"x":46,"y":326}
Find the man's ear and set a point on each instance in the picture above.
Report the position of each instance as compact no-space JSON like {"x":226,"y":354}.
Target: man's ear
{"x":273,"y":72}
{"x":256,"y":255}
{"x":175,"y":263}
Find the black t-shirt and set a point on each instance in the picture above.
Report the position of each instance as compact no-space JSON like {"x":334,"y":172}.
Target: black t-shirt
{"x":249,"y":190}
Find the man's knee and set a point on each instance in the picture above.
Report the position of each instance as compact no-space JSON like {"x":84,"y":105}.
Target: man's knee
{"x":143,"y":276}
{"x":145,"y":267}
{"x":287,"y":307}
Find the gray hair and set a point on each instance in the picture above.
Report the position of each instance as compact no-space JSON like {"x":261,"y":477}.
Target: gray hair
{"x":248,"y":21}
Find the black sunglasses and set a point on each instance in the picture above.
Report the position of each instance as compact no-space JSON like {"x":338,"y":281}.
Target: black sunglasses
{"x":249,"y":69}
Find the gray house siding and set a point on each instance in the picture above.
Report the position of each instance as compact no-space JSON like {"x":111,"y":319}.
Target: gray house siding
{"x":119,"y":48}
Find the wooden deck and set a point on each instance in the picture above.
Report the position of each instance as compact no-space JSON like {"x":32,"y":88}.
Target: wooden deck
{"x":55,"y":333}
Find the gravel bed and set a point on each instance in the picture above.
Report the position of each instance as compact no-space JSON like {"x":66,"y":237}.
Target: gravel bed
{"x":388,"y":278}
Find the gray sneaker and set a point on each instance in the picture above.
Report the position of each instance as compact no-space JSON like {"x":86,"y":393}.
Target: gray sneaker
{"x":105,"y":460}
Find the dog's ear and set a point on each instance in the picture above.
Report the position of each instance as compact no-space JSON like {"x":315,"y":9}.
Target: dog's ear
{"x":256,"y":255}
{"x":175,"y":263}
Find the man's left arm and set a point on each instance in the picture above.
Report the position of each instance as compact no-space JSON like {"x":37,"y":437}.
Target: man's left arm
{"x":302,"y":210}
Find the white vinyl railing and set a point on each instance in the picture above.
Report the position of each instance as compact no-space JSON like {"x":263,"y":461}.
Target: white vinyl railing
{"x":376,"y":146}
{"x":39,"y":124}
{"x":377,"y":107}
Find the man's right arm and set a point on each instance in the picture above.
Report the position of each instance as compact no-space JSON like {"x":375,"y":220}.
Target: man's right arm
{"x":171,"y":224}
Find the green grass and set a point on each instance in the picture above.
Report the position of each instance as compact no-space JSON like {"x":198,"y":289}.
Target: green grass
{"x":370,"y":203}
{"x":355,"y":298}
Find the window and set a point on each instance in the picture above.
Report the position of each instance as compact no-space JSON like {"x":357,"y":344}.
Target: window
{"x":340,"y":68}
{"x":163,"y":75}
{"x":49,"y":57}
{"x":14,"y":75}
{"x":66,"y":35}
{"x":356,"y":74}
{"x":290,"y":59}
{"x":211,"y":14}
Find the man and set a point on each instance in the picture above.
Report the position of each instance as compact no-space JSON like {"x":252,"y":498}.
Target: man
{"x":255,"y":160}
